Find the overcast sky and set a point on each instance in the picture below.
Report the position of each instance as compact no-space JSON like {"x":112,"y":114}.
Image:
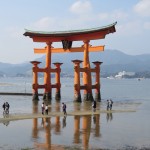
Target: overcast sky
{"x":132,"y":34}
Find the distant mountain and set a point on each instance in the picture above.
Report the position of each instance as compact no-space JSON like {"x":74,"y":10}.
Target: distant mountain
{"x":14,"y":69}
{"x":113,"y":62}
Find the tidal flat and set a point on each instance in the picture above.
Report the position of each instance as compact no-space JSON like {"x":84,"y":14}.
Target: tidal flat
{"x":126,"y":127}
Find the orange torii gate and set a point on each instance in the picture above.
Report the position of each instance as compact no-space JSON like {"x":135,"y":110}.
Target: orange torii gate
{"x":67,"y":37}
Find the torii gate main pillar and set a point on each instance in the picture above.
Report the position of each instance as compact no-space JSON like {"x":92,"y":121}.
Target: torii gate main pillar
{"x":87,"y":73}
{"x":47,"y":74}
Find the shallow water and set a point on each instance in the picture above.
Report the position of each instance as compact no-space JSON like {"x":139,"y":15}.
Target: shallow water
{"x":105,"y":131}
{"x":122,"y":130}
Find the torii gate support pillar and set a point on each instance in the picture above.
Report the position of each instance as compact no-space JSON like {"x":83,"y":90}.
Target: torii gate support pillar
{"x":35,"y":79}
{"x":77,"y":94}
{"x":97,"y":80}
{"x":57,"y":78}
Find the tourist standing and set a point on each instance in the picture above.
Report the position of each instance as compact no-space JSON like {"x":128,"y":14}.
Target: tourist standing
{"x":64,"y":108}
{"x":43,"y":108}
{"x":111,"y":103}
{"x":46,"y":109}
{"x":7,"y":106}
{"x":3,"y":106}
{"x":107,"y":104}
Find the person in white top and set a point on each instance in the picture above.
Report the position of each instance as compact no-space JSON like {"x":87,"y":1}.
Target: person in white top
{"x":109,"y":104}
{"x":46,"y":109}
{"x":43,"y":108}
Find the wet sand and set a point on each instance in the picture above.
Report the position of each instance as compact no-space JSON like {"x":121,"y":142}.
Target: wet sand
{"x":13,"y":117}
{"x":101,"y":125}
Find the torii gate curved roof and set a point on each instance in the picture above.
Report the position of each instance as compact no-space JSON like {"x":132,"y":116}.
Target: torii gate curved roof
{"x":71,"y":35}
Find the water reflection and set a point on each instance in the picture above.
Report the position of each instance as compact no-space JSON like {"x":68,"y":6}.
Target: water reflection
{"x":82,"y":133}
{"x":6,"y":123}
{"x":6,"y":115}
{"x":35,"y":121}
{"x":96,"y":121}
{"x":77,"y":130}
{"x":46,"y":131}
{"x":84,"y":126}
{"x":109,"y":116}
{"x":57,"y":120}
{"x":46,"y":128}
{"x":64,"y":122}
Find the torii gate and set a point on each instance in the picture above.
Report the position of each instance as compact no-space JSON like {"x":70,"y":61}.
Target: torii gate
{"x":67,"y":37}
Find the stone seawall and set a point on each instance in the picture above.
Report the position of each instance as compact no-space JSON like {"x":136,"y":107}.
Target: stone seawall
{"x":10,"y":93}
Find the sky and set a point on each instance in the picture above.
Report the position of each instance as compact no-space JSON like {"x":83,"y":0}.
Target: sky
{"x":132,"y":34}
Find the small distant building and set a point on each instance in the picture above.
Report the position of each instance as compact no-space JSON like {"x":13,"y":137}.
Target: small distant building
{"x":124,"y":73}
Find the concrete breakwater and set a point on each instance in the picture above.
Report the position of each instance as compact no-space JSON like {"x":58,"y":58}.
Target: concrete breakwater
{"x":14,"y":93}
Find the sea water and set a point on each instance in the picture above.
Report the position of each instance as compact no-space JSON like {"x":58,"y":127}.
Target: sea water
{"x":122,"y":130}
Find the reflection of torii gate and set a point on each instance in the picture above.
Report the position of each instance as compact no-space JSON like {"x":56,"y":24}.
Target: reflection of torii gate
{"x":67,"y":37}
{"x":82,"y":129}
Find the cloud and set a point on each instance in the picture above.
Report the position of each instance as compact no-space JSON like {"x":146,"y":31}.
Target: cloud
{"x":143,"y":8}
{"x":130,"y":28}
{"x":111,"y":16}
{"x":84,"y":19}
{"x":43,"y":24}
{"x":81,"y":8}
{"x":118,"y":14}
{"x":103,"y":16}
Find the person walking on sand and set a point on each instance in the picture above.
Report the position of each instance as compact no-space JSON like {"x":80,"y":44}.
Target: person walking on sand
{"x":46,"y":109}
{"x":64,"y":108}
{"x":43,"y":108}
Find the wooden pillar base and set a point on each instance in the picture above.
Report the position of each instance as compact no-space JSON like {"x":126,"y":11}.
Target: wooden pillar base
{"x":47,"y":96}
{"x":77,"y":98}
{"x":98,"y":97}
{"x":57,"y":95}
{"x":88,"y":97}
{"x":35,"y":97}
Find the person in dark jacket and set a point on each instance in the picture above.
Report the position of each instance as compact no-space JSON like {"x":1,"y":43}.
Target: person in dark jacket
{"x":4,"y":106}
{"x":94,"y":105}
{"x":64,"y":108}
